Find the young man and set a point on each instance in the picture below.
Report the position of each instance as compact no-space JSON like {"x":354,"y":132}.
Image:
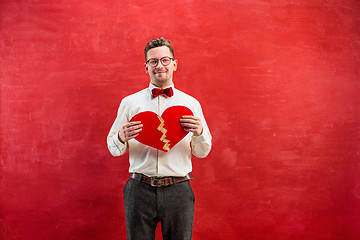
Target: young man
{"x":159,"y":189}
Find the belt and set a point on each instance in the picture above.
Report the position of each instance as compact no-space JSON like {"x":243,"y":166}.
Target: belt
{"x":160,"y":181}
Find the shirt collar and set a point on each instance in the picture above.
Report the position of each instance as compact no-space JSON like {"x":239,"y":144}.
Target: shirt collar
{"x":152,"y":86}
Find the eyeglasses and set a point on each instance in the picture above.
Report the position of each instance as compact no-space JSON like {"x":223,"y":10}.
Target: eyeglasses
{"x":153,"y":62}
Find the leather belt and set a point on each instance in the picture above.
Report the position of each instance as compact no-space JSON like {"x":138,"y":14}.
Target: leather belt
{"x":160,"y":181}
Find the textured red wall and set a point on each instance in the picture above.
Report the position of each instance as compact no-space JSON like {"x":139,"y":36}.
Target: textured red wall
{"x":278,"y":81}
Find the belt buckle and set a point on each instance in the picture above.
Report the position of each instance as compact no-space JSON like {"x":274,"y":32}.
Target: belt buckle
{"x":152,"y":182}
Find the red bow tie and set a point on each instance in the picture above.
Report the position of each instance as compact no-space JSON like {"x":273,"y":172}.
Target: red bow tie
{"x":166,"y":92}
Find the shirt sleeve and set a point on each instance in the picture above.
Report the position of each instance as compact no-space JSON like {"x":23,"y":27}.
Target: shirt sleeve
{"x":115,"y":146}
{"x":201,"y":145}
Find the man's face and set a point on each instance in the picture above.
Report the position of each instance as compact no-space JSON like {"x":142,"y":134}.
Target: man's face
{"x":160,"y":75}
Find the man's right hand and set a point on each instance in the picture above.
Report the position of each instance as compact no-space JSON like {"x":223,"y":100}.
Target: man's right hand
{"x":129,"y":131}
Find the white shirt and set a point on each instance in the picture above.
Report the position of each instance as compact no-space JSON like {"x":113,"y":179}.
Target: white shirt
{"x":150,"y":161}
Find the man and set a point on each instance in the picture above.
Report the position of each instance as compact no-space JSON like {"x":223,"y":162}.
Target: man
{"x":159,"y":189}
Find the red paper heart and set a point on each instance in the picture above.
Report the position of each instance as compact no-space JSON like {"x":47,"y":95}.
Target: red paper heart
{"x":162,"y":132}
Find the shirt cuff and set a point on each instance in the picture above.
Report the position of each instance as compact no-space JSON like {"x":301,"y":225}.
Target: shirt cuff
{"x":118,"y":143}
{"x":198,"y":139}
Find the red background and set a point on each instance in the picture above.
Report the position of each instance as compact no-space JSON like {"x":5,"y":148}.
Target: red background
{"x":278,"y":82}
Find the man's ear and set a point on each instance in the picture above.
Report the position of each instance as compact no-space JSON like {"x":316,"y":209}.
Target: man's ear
{"x":146,"y":68}
{"x":175,"y":65}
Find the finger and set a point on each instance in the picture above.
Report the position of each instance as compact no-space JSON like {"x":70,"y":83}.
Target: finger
{"x":136,"y":127}
{"x":129,"y":124}
{"x":188,"y":125}
{"x":132,"y":127}
{"x":134,"y":136}
{"x":190,"y":117}
{"x":190,"y":128}
{"x":136,"y":131}
{"x":131,"y":134}
{"x":189,"y":120}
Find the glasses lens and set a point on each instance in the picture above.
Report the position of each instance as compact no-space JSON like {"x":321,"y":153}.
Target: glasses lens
{"x":165,"y":61}
{"x":153,"y":62}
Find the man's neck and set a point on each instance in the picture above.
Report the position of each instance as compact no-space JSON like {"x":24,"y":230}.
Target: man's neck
{"x":162,"y":86}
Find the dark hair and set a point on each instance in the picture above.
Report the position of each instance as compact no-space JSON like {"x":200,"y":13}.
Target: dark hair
{"x":158,"y":42}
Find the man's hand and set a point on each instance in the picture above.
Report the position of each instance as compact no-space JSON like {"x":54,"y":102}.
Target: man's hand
{"x":191,"y":124}
{"x":129,"y":131}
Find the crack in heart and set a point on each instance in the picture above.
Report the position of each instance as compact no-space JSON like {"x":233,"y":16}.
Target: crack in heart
{"x":163,"y":131}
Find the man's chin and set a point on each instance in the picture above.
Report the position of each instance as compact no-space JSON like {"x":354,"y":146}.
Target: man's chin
{"x":162,"y":79}
{"x":159,"y":82}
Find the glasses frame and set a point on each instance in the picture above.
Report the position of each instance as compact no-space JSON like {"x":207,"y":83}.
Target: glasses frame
{"x":159,"y":60}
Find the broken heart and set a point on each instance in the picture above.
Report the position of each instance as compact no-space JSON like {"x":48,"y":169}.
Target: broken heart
{"x":162,"y":132}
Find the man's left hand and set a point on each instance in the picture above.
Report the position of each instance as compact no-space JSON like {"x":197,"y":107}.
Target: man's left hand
{"x":191,"y":124}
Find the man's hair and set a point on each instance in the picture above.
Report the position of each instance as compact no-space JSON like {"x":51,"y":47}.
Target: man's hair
{"x":158,"y":42}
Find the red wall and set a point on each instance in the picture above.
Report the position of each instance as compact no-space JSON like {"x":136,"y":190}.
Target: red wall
{"x":278,"y":82}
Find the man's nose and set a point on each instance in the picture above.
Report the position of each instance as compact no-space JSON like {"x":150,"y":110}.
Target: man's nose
{"x":160,"y":65}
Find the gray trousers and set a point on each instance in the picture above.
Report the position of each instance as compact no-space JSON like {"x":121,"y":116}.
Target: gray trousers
{"x":145,"y":206}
